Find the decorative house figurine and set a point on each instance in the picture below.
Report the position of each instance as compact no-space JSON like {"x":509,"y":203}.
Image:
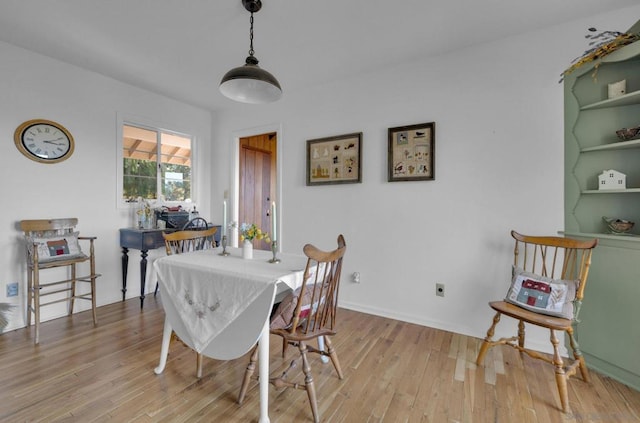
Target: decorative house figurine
{"x":612,"y":179}
{"x":617,"y":89}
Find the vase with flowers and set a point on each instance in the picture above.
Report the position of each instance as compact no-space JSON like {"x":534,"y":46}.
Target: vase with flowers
{"x":249,"y":232}
{"x":145,"y":214}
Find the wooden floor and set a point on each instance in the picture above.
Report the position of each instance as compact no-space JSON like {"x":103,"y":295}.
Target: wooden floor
{"x":394,"y":372}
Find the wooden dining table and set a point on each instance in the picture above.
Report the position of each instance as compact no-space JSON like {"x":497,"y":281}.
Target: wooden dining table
{"x":220,"y":305}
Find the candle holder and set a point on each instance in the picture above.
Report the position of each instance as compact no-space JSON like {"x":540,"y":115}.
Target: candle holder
{"x":224,"y":246}
{"x":274,"y":250}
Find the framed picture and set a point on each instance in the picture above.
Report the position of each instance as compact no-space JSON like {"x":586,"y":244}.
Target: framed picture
{"x":411,"y":154}
{"x":335,"y":160}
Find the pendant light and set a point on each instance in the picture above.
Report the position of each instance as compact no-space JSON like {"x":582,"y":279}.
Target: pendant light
{"x":250,"y":83}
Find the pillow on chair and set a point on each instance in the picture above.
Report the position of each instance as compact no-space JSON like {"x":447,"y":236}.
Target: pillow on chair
{"x":55,"y":247}
{"x":542,"y":294}
{"x":281,"y":319}
{"x":284,"y":313}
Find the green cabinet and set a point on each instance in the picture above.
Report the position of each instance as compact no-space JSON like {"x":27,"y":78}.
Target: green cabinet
{"x":609,"y":332}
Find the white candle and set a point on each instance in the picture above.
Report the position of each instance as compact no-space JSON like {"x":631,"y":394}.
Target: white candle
{"x":224,"y":218}
{"x":274,"y":230}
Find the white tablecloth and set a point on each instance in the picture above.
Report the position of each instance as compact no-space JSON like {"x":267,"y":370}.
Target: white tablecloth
{"x":209,"y":291}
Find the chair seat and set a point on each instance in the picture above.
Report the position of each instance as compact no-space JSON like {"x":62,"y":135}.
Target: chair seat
{"x":557,"y":323}
{"x":300,"y":335}
{"x":63,"y":262}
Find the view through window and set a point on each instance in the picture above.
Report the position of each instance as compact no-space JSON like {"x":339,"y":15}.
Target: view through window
{"x":156,"y":164}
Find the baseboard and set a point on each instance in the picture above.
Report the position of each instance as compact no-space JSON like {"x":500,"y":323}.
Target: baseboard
{"x":614,"y":372}
{"x":438,"y":324}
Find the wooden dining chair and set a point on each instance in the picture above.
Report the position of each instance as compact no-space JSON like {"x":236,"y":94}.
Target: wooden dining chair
{"x":549,"y":277}
{"x":308,"y":313}
{"x":181,"y":242}
{"x":285,"y":343}
{"x":55,"y":243}
{"x":195,"y":224}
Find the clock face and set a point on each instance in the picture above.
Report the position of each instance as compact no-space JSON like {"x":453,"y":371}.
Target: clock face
{"x":44,"y":141}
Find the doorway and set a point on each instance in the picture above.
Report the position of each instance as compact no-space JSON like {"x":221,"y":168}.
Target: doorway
{"x":257,"y":177}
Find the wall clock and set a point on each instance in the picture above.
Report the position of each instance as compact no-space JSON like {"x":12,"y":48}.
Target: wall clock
{"x":44,"y":141}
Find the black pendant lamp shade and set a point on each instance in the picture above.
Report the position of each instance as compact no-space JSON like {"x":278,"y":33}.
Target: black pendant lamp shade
{"x":250,"y":83}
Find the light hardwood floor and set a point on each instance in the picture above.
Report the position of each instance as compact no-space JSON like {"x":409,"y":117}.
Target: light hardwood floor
{"x":394,"y":372}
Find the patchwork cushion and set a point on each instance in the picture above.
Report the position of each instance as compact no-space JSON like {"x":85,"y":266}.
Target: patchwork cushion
{"x":55,"y":247}
{"x":542,"y":294}
{"x":284,"y":313}
{"x":281,"y":319}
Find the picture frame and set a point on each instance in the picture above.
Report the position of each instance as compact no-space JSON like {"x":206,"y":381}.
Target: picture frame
{"x":335,"y":160}
{"x":411,"y":154}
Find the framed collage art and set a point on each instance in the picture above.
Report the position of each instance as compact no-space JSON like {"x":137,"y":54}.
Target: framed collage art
{"x":335,"y":160}
{"x":411,"y":155}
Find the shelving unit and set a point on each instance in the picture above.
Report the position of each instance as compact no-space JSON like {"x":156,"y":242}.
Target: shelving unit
{"x":591,"y":144}
{"x":612,"y":191}
{"x":624,"y":100}
{"x":622,"y":145}
{"x":609,"y":333}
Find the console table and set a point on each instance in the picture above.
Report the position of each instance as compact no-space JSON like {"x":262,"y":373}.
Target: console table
{"x":143,"y":240}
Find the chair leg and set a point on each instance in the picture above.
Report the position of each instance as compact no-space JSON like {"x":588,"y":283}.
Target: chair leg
{"x":561,"y":377}
{"x":155,"y":291}
{"x":73,"y":289}
{"x":92,"y":268}
{"x":321,"y":347}
{"x":308,"y":382}
{"x":251,"y":367}
{"x":93,"y":300}
{"x":29,"y":296}
{"x":36,"y":306}
{"x":488,"y":340}
{"x":199,"y":365}
{"x":334,"y":356}
{"x":577,"y":355}
{"x":583,"y":368}
{"x":521,"y":334}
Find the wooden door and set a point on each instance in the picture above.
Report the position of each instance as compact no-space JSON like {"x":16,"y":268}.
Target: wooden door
{"x":257,"y":182}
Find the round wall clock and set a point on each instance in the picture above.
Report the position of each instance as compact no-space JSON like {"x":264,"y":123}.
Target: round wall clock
{"x":44,"y":141}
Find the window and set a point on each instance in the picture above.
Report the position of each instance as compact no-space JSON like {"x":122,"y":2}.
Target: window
{"x":156,"y":163}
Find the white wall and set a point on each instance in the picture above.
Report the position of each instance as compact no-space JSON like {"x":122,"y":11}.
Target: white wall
{"x":498,"y":110}
{"x":84,"y":186}
{"x":498,"y":113}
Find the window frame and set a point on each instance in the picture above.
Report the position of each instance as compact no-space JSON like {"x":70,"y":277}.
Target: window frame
{"x":147,"y":124}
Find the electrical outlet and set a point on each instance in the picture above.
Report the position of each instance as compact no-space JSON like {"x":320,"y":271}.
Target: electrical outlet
{"x":12,"y":289}
{"x":440,"y":289}
{"x":355,"y":277}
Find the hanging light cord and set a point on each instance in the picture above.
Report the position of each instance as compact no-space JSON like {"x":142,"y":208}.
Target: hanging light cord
{"x":251,"y":36}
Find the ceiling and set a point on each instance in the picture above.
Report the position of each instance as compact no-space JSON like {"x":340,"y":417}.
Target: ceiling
{"x":181,"y":49}
{"x":142,"y":144}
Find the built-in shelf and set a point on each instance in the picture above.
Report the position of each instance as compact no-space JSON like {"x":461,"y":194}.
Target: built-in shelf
{"x":617,"y":237}
{"x":612,"y":191}
{"x":624,"y":100}
{"x":622,"y":145}
{"x":610,"y":318}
